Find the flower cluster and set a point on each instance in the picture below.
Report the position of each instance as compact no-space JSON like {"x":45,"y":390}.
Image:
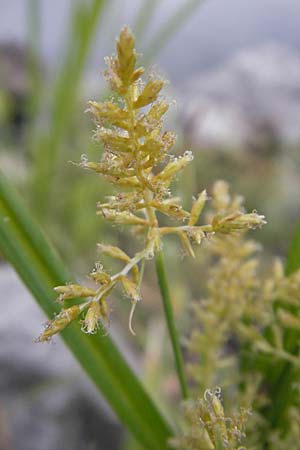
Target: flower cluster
{"x":207,"y":427}
{"x":136,"y":160}
{"x":244,"y":317}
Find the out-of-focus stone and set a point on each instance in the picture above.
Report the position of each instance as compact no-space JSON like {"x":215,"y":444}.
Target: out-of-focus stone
{"x":46,"y":401}
{"x":252,"y":98}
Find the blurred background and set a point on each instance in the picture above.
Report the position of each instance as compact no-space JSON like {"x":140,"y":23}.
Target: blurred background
{"x":234,"y":71}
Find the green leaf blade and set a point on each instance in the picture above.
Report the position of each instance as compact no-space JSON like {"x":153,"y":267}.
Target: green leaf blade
{"x":26,"y":248}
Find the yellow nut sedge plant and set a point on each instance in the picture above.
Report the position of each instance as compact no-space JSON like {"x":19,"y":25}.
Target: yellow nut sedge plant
{"x":137,"y":160}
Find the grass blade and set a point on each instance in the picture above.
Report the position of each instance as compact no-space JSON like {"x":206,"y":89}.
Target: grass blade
{"x":293,"y":259}
{"x":283,"y":375}
{"x":167,"y":304}
{"x":65,"y":92}
{"x":144,"y":17}
{"x":26,"y":248}
{"x":178,"y":18}
{"x":33,"y":56}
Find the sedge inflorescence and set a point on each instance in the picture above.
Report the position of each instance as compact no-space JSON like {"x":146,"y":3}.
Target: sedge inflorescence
{"x":137,"y":161}
{"x":241,"y":302}
{"x":243,"y":318}
{"x":207,"y":426}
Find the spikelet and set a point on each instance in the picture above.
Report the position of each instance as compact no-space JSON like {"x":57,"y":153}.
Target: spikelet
{"x":72,"y":291}
{"x":149,"y":93}
{"x":125,"y":63}
{"x":197,"y":207}
{"x":131,"y":289}
{"x":114,"y":252}
{"x":59,"y":323}
{"x":96,"y":315}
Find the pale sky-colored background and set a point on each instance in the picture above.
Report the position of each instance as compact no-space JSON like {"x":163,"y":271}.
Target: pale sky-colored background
{"x":211,"y":35}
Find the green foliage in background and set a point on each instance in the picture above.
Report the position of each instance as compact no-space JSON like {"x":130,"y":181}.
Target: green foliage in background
{"x":55,"y":134}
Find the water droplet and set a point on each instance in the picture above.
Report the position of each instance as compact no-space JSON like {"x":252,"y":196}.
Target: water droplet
{"x":150,"y":254}
{"x":84,"y":159}
{"x":188,"y":154}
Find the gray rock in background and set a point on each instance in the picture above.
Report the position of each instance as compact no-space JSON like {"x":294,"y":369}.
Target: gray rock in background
{"x":256,"y":90}
{"x":46,"y":401}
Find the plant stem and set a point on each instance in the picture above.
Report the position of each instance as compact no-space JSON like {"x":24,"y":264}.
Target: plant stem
{"x":47,"y":145}
{"x":168,"y":310}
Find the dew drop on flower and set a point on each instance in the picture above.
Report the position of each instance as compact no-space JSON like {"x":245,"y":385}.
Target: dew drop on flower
{"x":218,"y":392}
{"x":188,"y":154}
{"x":150,"y":254}
{"x":83,"y":159}
{"x":98,"y":267}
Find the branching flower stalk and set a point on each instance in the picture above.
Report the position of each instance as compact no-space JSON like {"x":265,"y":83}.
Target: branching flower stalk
{"x":137,"y":162}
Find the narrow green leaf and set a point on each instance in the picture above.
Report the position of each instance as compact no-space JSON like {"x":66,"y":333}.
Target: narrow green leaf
{"x":281,"y":378}
{"x":24,"y":245}
{"x":293,"y":259}
{"x":33,"y":57}
{"x":163,"y":35}
{"x":169,"y":316}
{"x":143,"y":17}
{"x":46,"y":154}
